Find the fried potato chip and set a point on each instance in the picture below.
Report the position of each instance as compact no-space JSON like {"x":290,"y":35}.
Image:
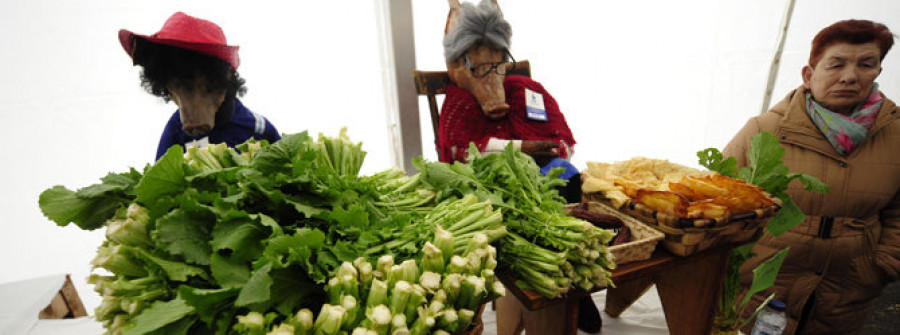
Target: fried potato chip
{"x":748,"y":197}
{"x":666,"y":202}
{"x":698,"y":188}
{"x":705,"y":209}
{"x":594,"y":185}
{"x":599,"y":170}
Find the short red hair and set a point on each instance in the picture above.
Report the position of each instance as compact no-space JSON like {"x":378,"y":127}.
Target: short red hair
{"x":852,"y":32}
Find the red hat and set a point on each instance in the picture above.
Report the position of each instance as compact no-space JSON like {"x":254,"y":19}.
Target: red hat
{"x":188,"y":32}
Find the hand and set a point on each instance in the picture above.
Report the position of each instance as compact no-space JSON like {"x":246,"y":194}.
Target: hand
{"x":545,"y":149}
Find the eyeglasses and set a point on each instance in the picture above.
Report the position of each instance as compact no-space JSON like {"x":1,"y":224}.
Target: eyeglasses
{"x":483,"y":69}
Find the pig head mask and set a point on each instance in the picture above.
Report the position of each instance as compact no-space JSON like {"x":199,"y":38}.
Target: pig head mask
{"x":478,"y":35}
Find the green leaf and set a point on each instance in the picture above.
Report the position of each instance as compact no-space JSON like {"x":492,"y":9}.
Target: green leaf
{"x":186,"y":233}
{"x":743,"y":252}
{"x":176,"y":271}
{"x":64,"y":206}
{"x":113,"y":183}
{"x":91,"y":206}
{"x":765,"y":274}
{"x":356,"y":216}
{"x":166,"y":177}
{"x":787,"y":218}
{"x":278,"y":156}
{"x":765,"y":156}
{"x":713,"y":160}
{"x":229,"y":272}
{"x":744,"y":174}
{"x":292,"y":288}
{"x":258,"y":287}
{"x":160,"y":314}
{"x":268,"y":221}
{"x":208,"y":303}
{"x":304,"y":208}
{"x":185,"y":326}
{"x":243,"y":236}
{"x":811,"y":183}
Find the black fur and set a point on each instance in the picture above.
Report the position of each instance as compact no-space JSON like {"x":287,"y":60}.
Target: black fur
{"x":163,"y":63}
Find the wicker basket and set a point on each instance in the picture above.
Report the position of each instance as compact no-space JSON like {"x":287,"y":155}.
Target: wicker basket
{"x":643,"y":241}
{"x":687,"y":236}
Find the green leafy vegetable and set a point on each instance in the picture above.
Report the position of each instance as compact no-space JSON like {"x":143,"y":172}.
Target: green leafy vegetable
{"x":246,"y":240}
{"x":549,"y":251}
{"x":765,"y":170}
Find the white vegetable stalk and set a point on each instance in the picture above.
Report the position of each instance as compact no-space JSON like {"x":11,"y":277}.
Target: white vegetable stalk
{"x":398,"y":322}
{"x":380,"y":316}
{"x":400,"y":297}
{"x":448,"y":320}
{"x":443,"y":240}
{"x":432,"y":258}
{"x":377,"y":294}
{"x":458,"y":265}
{"x":352,"y":312}
{"x":465,"y":318}
{"x":384,"y":264}
{"x":329,"y":320}
{"x":303,"y":321}
{"x":254,"y":323}
{"x":430,"y":281}
{"x":282,"y":329}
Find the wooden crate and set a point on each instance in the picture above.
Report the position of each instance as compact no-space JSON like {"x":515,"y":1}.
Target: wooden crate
{"x":65,"y":305}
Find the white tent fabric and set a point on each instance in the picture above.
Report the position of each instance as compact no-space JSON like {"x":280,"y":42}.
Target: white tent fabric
{"x":652,"y":78}
{"x":21,"y":302}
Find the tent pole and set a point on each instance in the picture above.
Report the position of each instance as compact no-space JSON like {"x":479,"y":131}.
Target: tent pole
{"x":398,"y":59}
{"x":776,"y":60}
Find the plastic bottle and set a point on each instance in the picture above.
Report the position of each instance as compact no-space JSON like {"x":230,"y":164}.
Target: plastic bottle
{"x":771,"y":320}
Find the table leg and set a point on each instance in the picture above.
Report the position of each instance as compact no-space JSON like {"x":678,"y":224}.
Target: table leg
{"x":572,"y":314}
{"x":509,"y":314}
{"x":689,"y":293}
{"x":624,"y":294}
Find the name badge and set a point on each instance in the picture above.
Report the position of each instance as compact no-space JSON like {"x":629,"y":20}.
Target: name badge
{"x":201,"y":143}
{"x":534,"y":106}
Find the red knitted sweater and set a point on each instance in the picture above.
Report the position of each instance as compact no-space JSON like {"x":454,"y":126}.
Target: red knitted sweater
{"x":462,"y":121}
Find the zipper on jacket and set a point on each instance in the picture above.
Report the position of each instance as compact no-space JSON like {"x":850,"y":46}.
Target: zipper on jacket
{"x":826,"y":223}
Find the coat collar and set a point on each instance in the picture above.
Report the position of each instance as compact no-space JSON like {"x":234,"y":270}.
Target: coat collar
{"x":795,"y":126}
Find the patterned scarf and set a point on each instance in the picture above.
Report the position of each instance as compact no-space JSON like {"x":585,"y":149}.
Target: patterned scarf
{"x":845,"y":132}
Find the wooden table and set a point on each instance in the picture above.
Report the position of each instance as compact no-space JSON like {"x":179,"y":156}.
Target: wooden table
{"x":688,"y":287}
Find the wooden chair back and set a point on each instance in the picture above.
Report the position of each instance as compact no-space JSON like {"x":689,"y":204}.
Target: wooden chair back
{"x":432,"y":83}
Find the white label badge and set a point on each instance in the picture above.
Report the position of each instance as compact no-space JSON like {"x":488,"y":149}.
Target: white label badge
{"x":201,"y":143}
{"x":534,"y":106}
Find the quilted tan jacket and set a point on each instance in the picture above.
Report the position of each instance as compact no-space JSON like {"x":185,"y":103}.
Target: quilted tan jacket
{"x":848,"y":248}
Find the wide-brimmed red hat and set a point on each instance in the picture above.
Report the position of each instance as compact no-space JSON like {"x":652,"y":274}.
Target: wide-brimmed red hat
{"x":188,"y":32}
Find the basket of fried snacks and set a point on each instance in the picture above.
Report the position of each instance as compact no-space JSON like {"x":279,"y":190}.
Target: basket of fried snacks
{"x":695,"y":209}
{"x":633,"y":241}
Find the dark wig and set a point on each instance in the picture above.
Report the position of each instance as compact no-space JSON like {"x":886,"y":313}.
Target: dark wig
{"x":163,"y":63}
{"x":852,"y":32}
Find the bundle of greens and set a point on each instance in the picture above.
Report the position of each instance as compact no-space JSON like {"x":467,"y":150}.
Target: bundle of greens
{"x":207,"y":239}
{"x":546,"y":249}
{"x":765,"y":170}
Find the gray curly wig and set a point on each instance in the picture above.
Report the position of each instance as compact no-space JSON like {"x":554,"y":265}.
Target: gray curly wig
{"x":482,"y":23}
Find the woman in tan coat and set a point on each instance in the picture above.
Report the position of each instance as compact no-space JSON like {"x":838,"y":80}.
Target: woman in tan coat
{"x":841,"y":129}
